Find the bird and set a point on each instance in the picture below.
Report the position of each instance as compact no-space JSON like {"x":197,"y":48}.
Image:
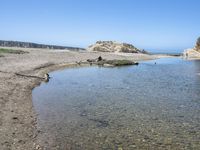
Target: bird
{"x":46,"y":77}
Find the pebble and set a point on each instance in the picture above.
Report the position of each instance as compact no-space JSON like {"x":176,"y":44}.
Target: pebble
{"x":37,"y":147}
{"x":120,"y":148}
{"x":132,"y":146}
{"x":14,"y":118}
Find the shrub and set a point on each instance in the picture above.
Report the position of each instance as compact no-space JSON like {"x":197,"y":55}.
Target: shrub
{"x":11,"y":51}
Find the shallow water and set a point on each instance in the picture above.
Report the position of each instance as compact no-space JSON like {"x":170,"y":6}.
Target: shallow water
{"x":150,"y":106}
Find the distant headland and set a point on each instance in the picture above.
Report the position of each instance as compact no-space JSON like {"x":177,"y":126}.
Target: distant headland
{"x":4,"y":43}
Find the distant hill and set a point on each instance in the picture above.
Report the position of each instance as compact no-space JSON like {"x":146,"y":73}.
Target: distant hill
{"x":35,"y":45}
{"x":112,"y":46}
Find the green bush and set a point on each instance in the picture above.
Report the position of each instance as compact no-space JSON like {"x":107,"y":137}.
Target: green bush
{"x":11,"y":51}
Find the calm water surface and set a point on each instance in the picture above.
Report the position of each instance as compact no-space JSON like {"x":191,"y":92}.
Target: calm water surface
{"x":150,"y":106}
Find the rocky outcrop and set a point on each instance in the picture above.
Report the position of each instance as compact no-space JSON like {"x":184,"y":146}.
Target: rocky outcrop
{"x":193,"y":52}
{"x":111,"y":46}
{"x":197,"y":47}
{"x":108,"y":63}
{"x":34,"y":45}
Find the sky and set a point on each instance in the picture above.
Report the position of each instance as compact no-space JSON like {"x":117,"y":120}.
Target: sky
{"x":147,"y":24}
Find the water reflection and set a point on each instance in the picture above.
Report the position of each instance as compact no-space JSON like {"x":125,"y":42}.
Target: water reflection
{"x":197,"y":65}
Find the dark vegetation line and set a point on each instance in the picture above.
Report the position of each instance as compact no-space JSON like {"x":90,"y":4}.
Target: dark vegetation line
{"x":35,"y":45}
{"x":11,"y":51}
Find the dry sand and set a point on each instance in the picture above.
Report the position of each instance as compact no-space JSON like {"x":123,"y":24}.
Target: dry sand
{"x":18,"y":76}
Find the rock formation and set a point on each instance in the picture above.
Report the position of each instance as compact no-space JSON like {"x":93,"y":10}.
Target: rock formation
{"x":197,"y":47}
{"x":193,"y":52}
{"x":111,"y":46}
{"x":34,"y":45}
{"x":103,"y":62}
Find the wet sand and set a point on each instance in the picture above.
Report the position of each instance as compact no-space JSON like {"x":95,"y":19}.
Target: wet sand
{"x":19,"y":74}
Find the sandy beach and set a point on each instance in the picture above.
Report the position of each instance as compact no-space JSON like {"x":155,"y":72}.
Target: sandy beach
{"x":84,"y":75}
{"x":19,"y":74}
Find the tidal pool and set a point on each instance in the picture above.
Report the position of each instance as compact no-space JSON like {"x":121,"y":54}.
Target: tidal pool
{"x":150,"y":106}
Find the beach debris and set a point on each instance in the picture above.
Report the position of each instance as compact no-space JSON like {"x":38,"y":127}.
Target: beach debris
{"x":27,"y":76}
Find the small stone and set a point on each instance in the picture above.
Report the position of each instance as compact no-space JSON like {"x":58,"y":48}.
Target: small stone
{"x":146,"y":137}
{"x":37,"y":147}
{"x":15,"y":118}
{"x":168,"y":141}
{"x":132,"y":146}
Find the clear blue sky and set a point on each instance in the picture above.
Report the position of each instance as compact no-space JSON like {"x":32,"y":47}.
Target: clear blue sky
{"x":148,"y":24}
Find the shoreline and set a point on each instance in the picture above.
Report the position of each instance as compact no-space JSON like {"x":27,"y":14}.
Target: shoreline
{"x":18,"y":119}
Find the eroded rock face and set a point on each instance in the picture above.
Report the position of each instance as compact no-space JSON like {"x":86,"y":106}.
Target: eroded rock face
{"x":111,"y":46}
{"x":198,"y":44}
